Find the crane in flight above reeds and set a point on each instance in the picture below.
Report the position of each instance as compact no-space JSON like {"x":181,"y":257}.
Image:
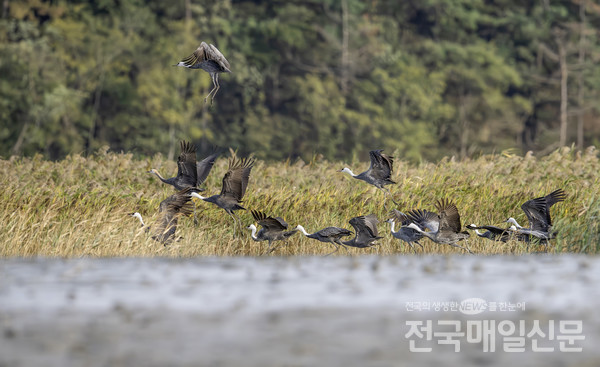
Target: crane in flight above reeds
{"x":538,"y":213}
{"x":492,"y":233}
{"x":379,"y":172}
{"x":273,"y":229}
{"x":235,"y":182}
{"x":365,"y":227}
{"x":208,"y":58}
{"x":447,"y":221}
{"x":331,"y":235}
{"x":187,"y":174}
{"x":170,"y":209}
{"x":404,"y":233}
{"x":190,"y":173}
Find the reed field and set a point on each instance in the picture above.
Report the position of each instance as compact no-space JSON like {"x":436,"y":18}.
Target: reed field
{"x":80,"y":206}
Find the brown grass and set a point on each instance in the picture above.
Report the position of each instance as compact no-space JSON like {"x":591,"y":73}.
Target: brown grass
{"x":79,"y":206}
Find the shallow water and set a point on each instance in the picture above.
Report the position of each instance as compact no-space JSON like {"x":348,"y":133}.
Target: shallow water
{"x":296,"y":311}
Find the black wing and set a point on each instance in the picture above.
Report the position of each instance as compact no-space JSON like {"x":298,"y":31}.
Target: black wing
{"x":400,"y":217}
{"x":173,"y":206}
{"x":269,"y":223}
{"x":213,"y":53}
{"x":366,"y":223}
{"x":235,"y":180}
{"x":495,"y":230}
{"x":203,"y":168}
{"x":449,"y":217}
{"x":538,"y":210}
{"x":424,"y":219}
{"x":206,"y":52}
{"x":186,"y":164}
{"x":551,"y":199}
{"x":366,"y":228}
{"x":333,"y":232}
{"x":381,"y":164}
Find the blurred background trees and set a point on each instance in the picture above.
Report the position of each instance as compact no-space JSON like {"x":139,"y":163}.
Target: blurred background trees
{"x":334,"y":77}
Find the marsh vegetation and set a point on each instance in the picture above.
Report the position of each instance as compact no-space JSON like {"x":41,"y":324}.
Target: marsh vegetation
{"x":79,"y":206}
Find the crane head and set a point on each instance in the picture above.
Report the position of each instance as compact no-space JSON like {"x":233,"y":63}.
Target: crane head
{"x":347,"y":170}
{"x":138,"y":216}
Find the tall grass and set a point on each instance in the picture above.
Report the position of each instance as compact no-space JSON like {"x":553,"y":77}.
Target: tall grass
{"x":79,"y":206}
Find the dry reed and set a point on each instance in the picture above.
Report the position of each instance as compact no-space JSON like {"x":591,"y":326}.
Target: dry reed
{"x":79,"y":206}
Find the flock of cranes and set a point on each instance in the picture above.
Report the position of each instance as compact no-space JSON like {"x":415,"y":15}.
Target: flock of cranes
{"x":442,"y":226}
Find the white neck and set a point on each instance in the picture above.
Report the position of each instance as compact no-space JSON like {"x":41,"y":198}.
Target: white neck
{"x":391,"y":221}
{"x":348,"y":171}
{"x":424,"y":233}
{"x":197,"y":196}
{"x":139,"y":216}
{"x":478,"y":233}
{"x":252,"y":227}
{"x":153,"y":171}
{"x":301,"y":229}
{"x":415,"y":227}
{"x":512,"y":228}
{"x":514,"y":221}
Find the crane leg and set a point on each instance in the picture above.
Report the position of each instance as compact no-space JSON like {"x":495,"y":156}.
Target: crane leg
{"x":195,"y":219}
{"x":212,"y":77}
{"x":235,"y":222}
{"x":337,"y":248}
{"x":391,"y":197}
{"x":239,"y":220}
{"x":218,"y":86}
{"x":269,"y":249}
{"x":215,"y":80}
{"x":339,"y":244}
{"x":278,"y":246}
{"x":464,"y":248}
{"x":422,"y":248}
{"x":208,"y":95}
{"x":467,"y":246}
{"x":275,"y":248}
{"x":344,"y":246}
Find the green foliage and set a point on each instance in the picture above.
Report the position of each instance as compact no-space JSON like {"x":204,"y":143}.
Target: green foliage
{"x":336,"y":78}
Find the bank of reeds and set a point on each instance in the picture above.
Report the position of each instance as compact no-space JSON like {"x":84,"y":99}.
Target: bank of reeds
{"x":79,"y":206}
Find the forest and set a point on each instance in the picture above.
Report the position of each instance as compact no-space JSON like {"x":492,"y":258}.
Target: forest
{"x":333,"y":78}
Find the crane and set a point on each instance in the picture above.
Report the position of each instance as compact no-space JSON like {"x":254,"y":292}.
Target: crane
{"x":273,"y":229}
{"x":235,"y":182}
{"x":208,"y":58}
